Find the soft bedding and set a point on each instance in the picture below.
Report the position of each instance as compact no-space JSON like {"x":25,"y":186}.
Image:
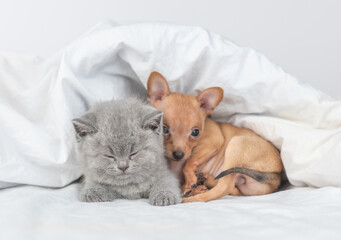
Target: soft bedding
{"x":40,"y":213}
{"x":38,"y":98}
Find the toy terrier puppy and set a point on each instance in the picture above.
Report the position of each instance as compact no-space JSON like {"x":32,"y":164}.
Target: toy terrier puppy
{"x":212,"y":159}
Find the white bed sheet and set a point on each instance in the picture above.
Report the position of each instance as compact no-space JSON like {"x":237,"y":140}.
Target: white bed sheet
{"x":29,"y":212}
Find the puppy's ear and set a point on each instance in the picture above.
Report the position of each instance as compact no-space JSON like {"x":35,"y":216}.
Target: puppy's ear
{"x":157,"y":87}
{"x":153,"y":121}
{"x":85,"y":125}
{"x":210,"y":98}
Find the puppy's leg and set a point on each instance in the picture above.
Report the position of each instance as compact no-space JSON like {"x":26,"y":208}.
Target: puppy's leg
{"x":260,"y":155}
{"x":224,"y":187}
{"x":211,"y":142}
{"x":244,"y":151}
{"x":192,"y":165}
{"x":251,"y":187}
{"x":204,"y":183}
{"x":198,"y":190}
{"x":208,"y":180}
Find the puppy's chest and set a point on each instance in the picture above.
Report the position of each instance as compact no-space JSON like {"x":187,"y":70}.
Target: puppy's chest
{"x":213,"y":165}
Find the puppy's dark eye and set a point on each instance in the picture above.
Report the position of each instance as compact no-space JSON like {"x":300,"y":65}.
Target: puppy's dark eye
{"x":165,"y":129}
{"x":195,"y":132}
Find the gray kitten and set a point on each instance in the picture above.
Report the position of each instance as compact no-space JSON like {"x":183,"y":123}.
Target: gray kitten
{"x":120,"y":149}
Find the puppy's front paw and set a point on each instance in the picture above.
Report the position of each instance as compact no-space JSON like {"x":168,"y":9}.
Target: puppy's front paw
{"x":201,"y":178}
{"x":95,"y":195}
{"x":164,"y":198}
{"x":187,"y":189}
{"x":198,"y":190}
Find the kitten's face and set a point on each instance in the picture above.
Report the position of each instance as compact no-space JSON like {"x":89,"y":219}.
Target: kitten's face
{"x":120,"y":158}
{"x":120,"y":149}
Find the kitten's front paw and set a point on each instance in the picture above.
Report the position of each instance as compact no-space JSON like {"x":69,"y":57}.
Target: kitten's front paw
{"x":164,"y":198}
{"x":95,"y":195}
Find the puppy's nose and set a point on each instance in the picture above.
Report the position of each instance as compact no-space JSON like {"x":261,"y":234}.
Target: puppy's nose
{"x":178,"y":155}
{"x":123,"y":168}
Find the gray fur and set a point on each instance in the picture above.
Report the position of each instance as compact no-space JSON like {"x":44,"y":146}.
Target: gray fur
{"x":107,"y":136}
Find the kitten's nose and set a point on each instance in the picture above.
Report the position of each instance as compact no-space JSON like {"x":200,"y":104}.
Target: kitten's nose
{"x":123,"y":168}
{"x":178,"y":155}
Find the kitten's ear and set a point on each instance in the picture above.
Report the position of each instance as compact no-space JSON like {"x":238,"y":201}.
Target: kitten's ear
{"x":85,"y":125}
{"x":153,"y":121}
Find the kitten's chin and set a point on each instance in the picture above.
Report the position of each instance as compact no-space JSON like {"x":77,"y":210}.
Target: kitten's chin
{"x":121,"y":179}
{"x":113,"y":173}
{"x":114,"y":178}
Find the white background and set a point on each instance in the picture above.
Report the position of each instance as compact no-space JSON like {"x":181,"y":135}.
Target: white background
{"x":303,"y":36}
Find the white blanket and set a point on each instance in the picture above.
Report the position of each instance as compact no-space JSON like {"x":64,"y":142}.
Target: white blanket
{"x":38,"y":98}
{"x":29,"y":212}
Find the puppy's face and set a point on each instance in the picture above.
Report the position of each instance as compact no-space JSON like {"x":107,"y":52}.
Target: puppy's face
{"x":184,"y":115}
{"x":183,"y":124}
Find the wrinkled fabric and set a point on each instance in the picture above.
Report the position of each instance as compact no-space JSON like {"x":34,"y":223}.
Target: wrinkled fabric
{"x":38,"y":99}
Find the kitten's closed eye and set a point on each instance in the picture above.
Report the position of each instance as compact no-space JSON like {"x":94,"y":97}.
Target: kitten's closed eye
{"x":109,"y":156}
{"x":132,"y":155}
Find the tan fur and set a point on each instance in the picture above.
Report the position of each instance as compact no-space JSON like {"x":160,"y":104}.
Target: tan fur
{"x":220,"y":146}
